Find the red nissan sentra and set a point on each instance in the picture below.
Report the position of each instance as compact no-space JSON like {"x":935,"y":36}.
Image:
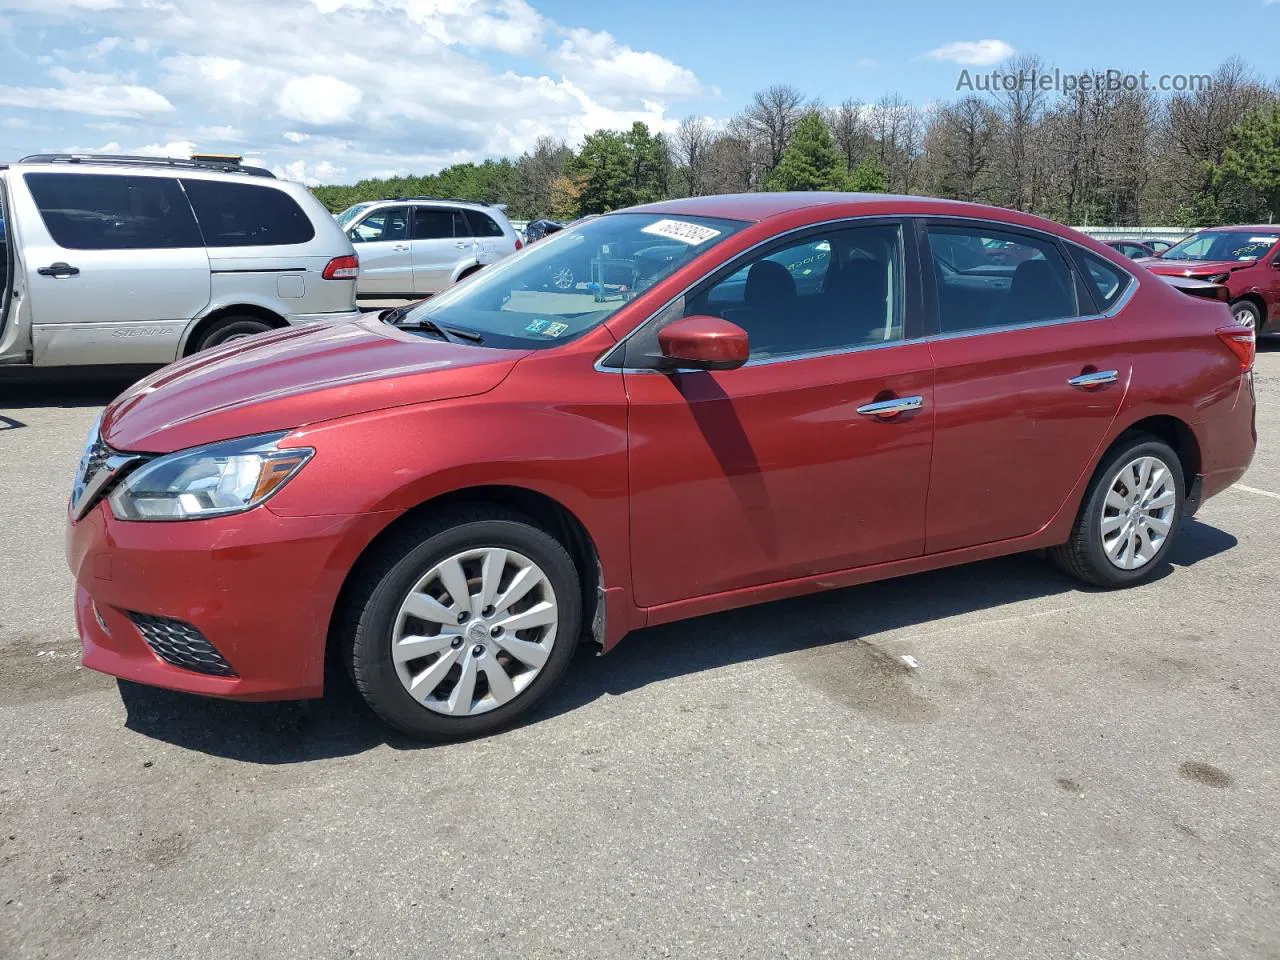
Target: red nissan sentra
{"x":738,"y":399}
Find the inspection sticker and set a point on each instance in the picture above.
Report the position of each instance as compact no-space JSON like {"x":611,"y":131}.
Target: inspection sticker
{"x":555,"y":329}
{"x":690,"y":233}
{"x":536,"y":326}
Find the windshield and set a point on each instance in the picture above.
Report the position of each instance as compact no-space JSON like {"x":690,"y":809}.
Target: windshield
{"x":1223,"y":245}
{"x":573,"y":280}
{"x":348,"y":215}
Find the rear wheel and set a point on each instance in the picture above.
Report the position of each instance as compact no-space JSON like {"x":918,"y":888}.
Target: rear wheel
{"x":1129,"y":518}
{"x":230,"y":329}
{"x":463,"y":623}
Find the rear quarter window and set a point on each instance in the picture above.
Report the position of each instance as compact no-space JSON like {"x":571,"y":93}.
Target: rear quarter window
{"x":1105,"y":281}
{"x":247,"y":215}
{"x":483,"y":225}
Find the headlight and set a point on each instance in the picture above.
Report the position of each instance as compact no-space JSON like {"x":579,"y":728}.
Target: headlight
{"x":211,"y":481}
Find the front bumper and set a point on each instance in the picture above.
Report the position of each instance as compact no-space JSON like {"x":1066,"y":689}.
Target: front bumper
{"x":261,"y":588}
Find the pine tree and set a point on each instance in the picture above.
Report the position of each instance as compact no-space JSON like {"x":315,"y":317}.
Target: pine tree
{"x":868,"y":177}
{"x":1252,"y":159}
{"x":811,"y":160}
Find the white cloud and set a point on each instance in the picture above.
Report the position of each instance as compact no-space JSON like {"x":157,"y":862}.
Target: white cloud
{"x":312,"y":174}
{"x":100,"y":95}
{"x":318,"y":99}
{"x":597,"y":61}
{"x":972,"y":53}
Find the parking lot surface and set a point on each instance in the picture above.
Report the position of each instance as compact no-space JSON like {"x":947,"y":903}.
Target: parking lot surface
{"x":1062,"y":773}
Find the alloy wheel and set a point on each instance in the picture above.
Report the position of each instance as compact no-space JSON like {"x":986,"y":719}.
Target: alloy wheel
{"x":1138,"y":512}
{"x":1244,"y":316}
{"x":475,"y":631}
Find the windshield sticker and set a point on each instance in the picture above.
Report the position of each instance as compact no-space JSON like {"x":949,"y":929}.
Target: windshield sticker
{"x":536,"y":326}
{"x":1267,"y":240}
{"x":555,"y":329}
{"x":690,"y":233}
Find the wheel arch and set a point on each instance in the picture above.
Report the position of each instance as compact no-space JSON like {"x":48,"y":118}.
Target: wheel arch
{"x":469,"y":267}
{"x":1255,"y":298}
{"x":258,"y":312}
{"x":1174,"y":431}
{"x":547,"y":512}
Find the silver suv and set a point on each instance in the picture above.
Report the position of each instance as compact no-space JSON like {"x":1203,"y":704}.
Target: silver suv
{"x":421,"y":245}
{"x":111,"y":259}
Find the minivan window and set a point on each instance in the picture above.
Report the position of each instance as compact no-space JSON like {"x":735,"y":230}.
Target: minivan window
{"x":526,"y":301}
{"x":246,"y":215}
{"x":91,"y":211}
{"x":483,"y":225}
{"x":987,"y":277}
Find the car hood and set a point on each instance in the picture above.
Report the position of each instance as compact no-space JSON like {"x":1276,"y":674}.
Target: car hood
{"x":294,"y":377}
{"x":1190,"y":268}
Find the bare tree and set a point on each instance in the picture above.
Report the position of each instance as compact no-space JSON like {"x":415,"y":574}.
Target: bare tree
{"x":1022,"y":173}
{"x":851,"y":131}
{"x":898,"y":130}
{"x":959,"y":148}
{"x":730,"y":164}
{"x":770,"y":119}
{"x":689,"y":146}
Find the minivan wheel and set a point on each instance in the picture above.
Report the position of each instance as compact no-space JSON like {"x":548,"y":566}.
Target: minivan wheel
{"x":231,"y":328}
{"x":1129,"y":518}
{"x":462,"y":623}
{"x":1247,"y":314}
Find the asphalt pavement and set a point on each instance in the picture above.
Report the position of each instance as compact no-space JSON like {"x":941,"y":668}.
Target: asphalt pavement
{"x":1062,"y":773}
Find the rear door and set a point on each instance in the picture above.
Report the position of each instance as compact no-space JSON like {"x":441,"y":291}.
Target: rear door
{"x":491,"y":244}
{"x":116,"y":266}
{"x":381,"y":240}
{"x":441,"y":243}
{"x":1029,"y":379}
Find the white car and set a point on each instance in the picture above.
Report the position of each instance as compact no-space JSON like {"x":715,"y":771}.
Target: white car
{"x":142,"y":260}
{"x":422,"y":245}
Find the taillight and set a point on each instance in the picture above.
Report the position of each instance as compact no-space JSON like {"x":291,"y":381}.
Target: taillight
{"x":342,"y":268}
{"x":519,"y":244}
{"x":1241,"y":342}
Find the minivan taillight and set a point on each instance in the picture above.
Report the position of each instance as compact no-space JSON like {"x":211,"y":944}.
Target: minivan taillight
{"x":1242,"y":342}
{"x":342,"y":268}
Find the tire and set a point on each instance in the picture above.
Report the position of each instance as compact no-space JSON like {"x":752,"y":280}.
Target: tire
{"x":1085,"y":556}
{"x":1247,"y":313}
{"x":231,"y":328}
{"x":404,"y":569}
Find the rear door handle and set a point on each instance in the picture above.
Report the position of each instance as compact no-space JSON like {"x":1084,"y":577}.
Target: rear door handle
{"x":1095,"y":379}
{"x":59,"y":269}
{"x":889,"y":408}
{"x":462,"y":246}
{"x":400,"y":247}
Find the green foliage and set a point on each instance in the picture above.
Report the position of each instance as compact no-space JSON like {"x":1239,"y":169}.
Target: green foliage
{"x":620,"y":169}
{"x":1250,"y":167}
{"x":869,"y":176}
{"x":811,"y":160}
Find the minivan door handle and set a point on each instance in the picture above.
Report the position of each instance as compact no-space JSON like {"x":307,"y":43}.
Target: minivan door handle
{"x":891,"y":408}
{"x":1095,"y":379}
{"x":59,"y":269}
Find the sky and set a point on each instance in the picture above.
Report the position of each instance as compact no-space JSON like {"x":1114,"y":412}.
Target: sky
{"x":329,"y":91}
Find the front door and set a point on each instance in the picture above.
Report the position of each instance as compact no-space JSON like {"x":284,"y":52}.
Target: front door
{"x":1026,"y":387}
{"x":441,"y":242}
{"x":782,"y":468}
{"x":116,"y":267}
{"x":381,"y":240}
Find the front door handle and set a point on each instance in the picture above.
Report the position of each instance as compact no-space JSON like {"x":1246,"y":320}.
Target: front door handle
{"x":59,"y":269}
{"x":462,"y":246}
{"x":400,"y":247}
{"x":1095,"y":379}
{"x":890,"y":408}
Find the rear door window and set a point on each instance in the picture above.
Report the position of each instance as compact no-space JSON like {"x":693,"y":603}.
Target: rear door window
{"x":87,"y":211}
{"x":432,"y":223}
{"x":247,"y":215}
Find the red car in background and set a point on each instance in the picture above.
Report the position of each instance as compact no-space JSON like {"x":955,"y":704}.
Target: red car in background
{"x":762,"y":396}
{"x":1246,"y":260}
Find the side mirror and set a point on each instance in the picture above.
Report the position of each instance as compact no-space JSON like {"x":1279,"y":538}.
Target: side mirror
{"x":704,"y":343}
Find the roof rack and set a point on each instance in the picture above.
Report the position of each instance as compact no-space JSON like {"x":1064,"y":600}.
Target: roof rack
{"x":482,"y":203}
{"x":223,"y":164}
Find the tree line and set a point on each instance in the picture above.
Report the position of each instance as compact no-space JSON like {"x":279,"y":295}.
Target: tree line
{"x":1089,"y":157}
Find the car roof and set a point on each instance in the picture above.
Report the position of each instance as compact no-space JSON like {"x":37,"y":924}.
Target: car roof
{"x":479,"y":205}
{"x":1244,"y":228}
{"x":758,"y":207}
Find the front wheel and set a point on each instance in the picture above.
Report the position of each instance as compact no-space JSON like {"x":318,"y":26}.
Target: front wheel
{"x":1247,"y":314}
{"x":1129,"y":518}
{"x":463,"y":623}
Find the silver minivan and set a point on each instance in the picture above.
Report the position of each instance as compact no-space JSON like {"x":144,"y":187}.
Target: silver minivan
{"x":140,"y":260}
{"x":420,"y":245}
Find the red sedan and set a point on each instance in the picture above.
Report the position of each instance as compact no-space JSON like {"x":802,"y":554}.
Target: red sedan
{"x":741,"y":398}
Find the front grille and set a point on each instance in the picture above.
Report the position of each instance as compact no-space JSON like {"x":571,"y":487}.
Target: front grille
{"x":181,"y":644}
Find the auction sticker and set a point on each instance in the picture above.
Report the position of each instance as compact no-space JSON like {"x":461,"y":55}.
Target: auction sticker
{"x":690,"y":233}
